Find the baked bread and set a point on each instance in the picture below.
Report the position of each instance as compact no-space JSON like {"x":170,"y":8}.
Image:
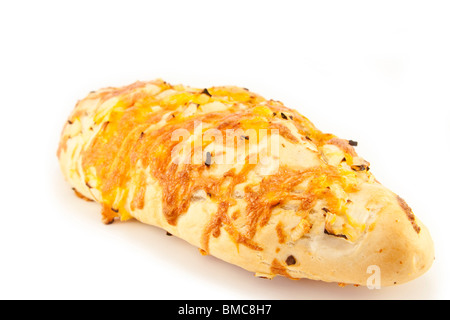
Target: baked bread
{"x":276,"y":197}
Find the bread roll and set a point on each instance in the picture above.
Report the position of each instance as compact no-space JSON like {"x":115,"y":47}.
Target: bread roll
{"x":244,"y":179}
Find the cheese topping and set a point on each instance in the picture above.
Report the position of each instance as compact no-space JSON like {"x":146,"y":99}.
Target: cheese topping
{"x":133,"y":133}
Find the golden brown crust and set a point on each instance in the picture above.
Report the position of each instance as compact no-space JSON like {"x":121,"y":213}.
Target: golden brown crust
{"x":81,"y":196}
{"x":409,"y":213}
{"x":320,"y":206}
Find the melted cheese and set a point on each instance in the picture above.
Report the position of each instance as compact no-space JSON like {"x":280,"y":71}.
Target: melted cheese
{"x":133,"y":135}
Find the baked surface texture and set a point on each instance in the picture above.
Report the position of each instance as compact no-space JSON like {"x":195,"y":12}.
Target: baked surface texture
{"x":242,"y":178}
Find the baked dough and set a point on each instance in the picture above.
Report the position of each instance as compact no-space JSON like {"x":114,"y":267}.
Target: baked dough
{"x":311,"y":209}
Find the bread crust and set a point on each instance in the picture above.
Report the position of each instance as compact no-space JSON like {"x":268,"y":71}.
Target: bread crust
{"x":318,"y":214}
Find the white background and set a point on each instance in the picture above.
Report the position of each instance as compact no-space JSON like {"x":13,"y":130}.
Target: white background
{"x":373,"y":71}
